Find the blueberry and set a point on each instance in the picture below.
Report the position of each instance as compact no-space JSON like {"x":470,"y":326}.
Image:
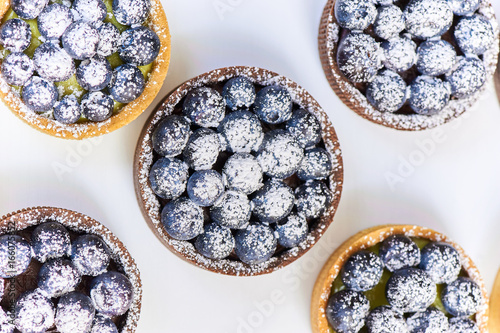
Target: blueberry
{"x":255,"y":244}
{"x":15,"y":35}
{"x":462,"y":297}
{"x":280,"y":154}
{"x":428,"y":18}
{"x":429,"y":95}
{"x":28,"y":9}
{"x":67,"y":110}
{"x":103,"y":324}
{"x":202,"y":149}
{"x":400,"y":54}
{"x":467,"y":78}
{"x":127,"y":83}
{"x":204,"y":106}
{"x":50,"y":240}
{"x":430,"y":321}
{"x":53,"y":63}
{"x":463,"y":325}
{"x":109,"y":37}
{"x":355,"y":14}
{"x":34,"y":312}
{"x":474,"y":34}
{"x":316,"y":165}
{"x":17,"y":68}
{"x":243,"y":173}
{"x":131,"y":12}
{"x":39,"y":94}
{"x":232,"y":210}
{"x":399,"y":251}
{"x":90,"y":255}
{"x":80,"y":40}
{"x":6,"y":325}
{"x":385,"y":319}
{"x":90,"y":11}
{"x":171,"y":136}
{"x":346,"y":311}
{"x":387,"y":92}
{"x":273,"y":202}
{"x":305,"y":127}
{"x":441,"y":261}
{"x":362,"y":271}
{"x":75,"y":313}
{"x":359,"y":57}
{"x":241,"y":132}
{"x":204,"y":187}
{"x":410,"y":290}
{"x":168,"y":177}
{"x":97,"y":106}
{"x":389,"y":23}
{"x":464,"y":7}
{"x":216,"y":242}
{"x":94,"y":74}
{"x":2,"y":288}
{"x":112,"y":293}
{"x":58,"y":277}
{"x":313,"y":198}
{"x":14,"y":265}
{"x":139,"y":46}
{"x":435,"y":57}
{"x":182,"y":219}
{"x":54,"y":20}
{"x":239,"y":92}
{"x":292,"y":231}
{"x":273,"y":105}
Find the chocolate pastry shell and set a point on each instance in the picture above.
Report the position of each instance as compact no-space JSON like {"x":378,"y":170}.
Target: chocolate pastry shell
{"x":404,"y":119}
{"x":151,"y":206}
{"x":76,"y":223}
{"x":368,"y":238}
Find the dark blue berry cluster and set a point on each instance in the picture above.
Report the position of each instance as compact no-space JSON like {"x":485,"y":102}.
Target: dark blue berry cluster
{"x":383,"y":45}
{"x":410,"y":290}
{"x":86,"y":42}
{"x":77,"y":290}
{"x":242,"y":169}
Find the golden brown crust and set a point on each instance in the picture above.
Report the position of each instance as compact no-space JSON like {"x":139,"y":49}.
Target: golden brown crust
{"x":158,"y":22}
{"x":366,"y":239}
{"x":78,"y":222}
{"x":494,"y":323}
{"x":151,"y":207}
{"x":357,"y":102}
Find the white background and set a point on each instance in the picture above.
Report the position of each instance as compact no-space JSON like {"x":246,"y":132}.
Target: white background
{"x":452,"y":185}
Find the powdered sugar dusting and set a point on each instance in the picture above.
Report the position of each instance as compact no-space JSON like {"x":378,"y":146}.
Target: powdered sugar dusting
{"x":151,"y":206}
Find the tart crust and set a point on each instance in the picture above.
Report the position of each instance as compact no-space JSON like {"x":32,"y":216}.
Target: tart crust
{"x":494,"y":324}
{"x":366,"y":239}
{"x":328,"y":41}
{"x":78,"y":222}
{"x":151,"y":206}
{"x":157,"y":21}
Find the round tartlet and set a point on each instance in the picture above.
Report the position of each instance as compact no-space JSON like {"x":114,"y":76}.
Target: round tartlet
{"x":77,"y":223}
{"x":368,"y":238}
{"x":157,"y":21}
{"x":351,"y":96}
{"x":151,"y":206}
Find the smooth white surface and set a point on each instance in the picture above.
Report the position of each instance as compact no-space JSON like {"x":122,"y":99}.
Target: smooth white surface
{"x":454,"y":188}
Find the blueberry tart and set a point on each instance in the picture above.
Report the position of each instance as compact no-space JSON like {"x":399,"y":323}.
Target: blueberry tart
{"x":399,"y":278}
{"x":411,"y":64}
{"x":238,"y":171}
{"x":69,"y":274}
{"x":82,"y":68}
